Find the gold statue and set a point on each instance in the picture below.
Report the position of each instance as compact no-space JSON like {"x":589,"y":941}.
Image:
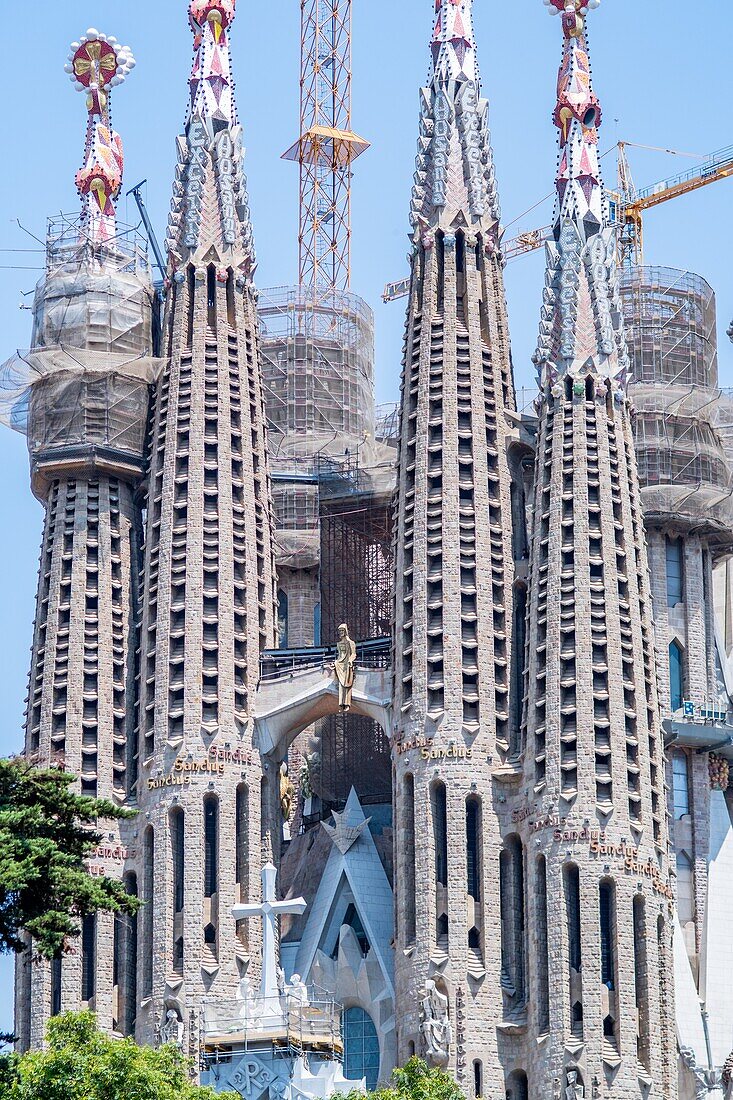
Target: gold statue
{"x":345,"y":667}
{"x":287,"y":790}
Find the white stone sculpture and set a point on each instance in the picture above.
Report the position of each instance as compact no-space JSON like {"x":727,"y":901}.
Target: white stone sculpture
{"x":575,"y":1090}
{"x":435,"y":1025}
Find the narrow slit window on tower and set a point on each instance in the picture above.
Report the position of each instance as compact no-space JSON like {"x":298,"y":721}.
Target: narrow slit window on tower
{"x":211,"y":846}
{"x":474,"y":872}
{"x":675,"y":549}
{"x":680,"y":785}
{"x":511,"y":886}
{"x":541,"y":958}
{"x":56,"y":985}
{"x":607,"y":914}
{"x":440,"y":841}
{"x":178,"y":860}
{"x":147,"y":971}
{"x":571,"y":883}
{"x":231,"y":302}
{"x":641,"y":980}
{"x":409,"y":858}
{"x":211,"y":298}
{"x":88,"y":958}
{"x":676,"y":676}
{"x":191,"y":286}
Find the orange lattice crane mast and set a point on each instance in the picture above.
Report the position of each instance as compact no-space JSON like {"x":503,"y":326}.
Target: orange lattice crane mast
{"x":327,"y":146}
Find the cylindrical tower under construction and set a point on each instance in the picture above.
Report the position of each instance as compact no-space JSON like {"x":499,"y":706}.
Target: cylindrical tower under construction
{"x":83,"y":401}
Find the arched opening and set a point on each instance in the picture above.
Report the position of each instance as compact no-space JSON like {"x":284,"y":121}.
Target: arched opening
{"x":517,"y":1087}
{"x":675,"y":561}
{"x":361,"y":1047}
{"x":211,"y":872}
{"x":231,"y":302}
{"x":571,"y":886}
{"x":511,"y":883}
{"x":676,"y":677}
{"x":474,"y":874}
{"x":440,"y":847}
{"x":478,"y":1079}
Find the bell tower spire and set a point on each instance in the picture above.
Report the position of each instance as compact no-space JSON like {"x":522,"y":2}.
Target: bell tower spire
{"x":208,"y":589}
{"x":210,"y":215}
{"x":598,"y":896}
{"x":456,"y":722}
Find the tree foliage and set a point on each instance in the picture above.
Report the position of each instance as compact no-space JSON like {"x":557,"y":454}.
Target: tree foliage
{"x":46,"y":833}
{"x":81,"y":1063}
{"x":416,"y":1081}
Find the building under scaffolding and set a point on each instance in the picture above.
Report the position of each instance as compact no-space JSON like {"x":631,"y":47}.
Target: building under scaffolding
{"x":333,"y":478}
{"x":671,"y":331}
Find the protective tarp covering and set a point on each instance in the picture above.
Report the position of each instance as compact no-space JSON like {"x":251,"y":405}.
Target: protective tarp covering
{"x":298,"y":533}
{"x":85,"y":380}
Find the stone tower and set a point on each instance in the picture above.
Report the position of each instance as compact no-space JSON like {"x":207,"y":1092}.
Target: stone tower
{"x":592,"y":839}
{"x":208,"y":604}
{"x":453,"y":724}
{"x":86,"y":401}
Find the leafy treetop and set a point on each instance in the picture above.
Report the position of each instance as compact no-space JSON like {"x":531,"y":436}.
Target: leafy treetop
{"x":81,"y":1063}
{"x":46,"y":833}
{"x":416,"y":1081}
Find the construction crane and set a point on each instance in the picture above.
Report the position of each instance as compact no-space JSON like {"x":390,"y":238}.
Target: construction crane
{"x":327,"y":146}
{"x":159,"y":258}
{"x":627,"y":206}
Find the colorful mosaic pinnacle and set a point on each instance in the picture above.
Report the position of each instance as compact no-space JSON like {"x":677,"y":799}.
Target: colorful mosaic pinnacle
{"x":97,"y":64}
{"x":453,"y":44}
{"x":210,"y":206}
{"x":581,"y":310}
{"x":573,"y":13}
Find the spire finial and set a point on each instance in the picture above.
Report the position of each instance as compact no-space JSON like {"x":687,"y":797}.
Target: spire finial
{"x":453,"y":45}
{"x":97,"y":63}
{"x":573,"y":14}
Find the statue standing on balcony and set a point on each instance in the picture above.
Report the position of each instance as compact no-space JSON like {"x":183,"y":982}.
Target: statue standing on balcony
{"x":345,"y":667}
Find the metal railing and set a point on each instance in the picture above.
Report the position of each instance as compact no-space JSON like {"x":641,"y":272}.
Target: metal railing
{"x":277,"y":663}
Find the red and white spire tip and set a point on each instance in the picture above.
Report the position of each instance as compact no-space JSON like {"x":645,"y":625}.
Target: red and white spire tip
{"x":219,"y":14}
{"x":573,"y":14}
{"x":96,"y":64}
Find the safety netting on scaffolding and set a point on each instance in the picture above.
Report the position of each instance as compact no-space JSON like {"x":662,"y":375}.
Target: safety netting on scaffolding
{"x":85,"y":378}
{"x":684,"y":470}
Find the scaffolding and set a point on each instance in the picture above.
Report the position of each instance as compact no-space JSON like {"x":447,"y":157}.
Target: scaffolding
{"x":685,"y":475}
{"x":317,"y":365}
{"x":81,"y":391}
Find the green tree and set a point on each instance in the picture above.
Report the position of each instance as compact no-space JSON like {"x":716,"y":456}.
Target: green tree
{"x":46,"y":833}
{"x":416,"y":1081}
{"x":81,"y":1063}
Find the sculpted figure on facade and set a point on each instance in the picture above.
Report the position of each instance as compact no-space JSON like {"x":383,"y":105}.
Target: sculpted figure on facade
{"x":574,"y":1090}
{"x":171,"y":1030}
{"x":345,"y":667}
{"x":287,"y":793}
{"x":435,"y":1025}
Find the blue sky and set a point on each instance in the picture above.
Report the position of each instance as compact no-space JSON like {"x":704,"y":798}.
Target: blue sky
{"x":662,"y":69}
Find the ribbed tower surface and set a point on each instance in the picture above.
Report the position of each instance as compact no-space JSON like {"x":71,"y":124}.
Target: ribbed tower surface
{"x":454,"y":572}
{"x":208,"y":593}
{"x":599,"y":995}
{"x":86,"y":401}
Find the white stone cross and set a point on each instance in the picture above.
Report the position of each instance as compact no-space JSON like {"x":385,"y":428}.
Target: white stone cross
{"x":269,"y":910}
